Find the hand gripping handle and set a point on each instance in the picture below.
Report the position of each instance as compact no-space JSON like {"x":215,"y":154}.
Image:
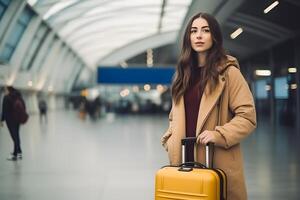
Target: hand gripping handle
{"x":193,"y":140}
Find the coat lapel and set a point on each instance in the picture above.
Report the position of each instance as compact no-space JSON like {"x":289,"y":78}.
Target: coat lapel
{"x":208,"y":102}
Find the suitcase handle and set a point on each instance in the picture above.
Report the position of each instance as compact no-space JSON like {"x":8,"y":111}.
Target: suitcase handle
{"x":193,"y":164}
{"x":189,"y":166}
{"x":193,"y":140}
{"x":186,"y":140}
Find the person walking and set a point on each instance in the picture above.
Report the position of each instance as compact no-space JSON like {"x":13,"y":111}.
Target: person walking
{"x":211,"y":100}
{"x":43,"y":110}
{"x":11,"y":116}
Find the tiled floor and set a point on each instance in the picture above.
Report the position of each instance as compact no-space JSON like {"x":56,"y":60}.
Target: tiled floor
{"x":117,"y":156}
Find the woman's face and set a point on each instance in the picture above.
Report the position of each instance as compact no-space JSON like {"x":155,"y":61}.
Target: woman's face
{"x":200,"y":36}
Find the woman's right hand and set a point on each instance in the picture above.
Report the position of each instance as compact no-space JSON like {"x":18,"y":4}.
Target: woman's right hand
{"x":164,"y":139}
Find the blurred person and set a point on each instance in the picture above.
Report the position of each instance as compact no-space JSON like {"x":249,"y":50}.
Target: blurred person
{"x":211,"y":101}
{"x":43,"y":110}
{"x":98,"y":104}
{"x":13,"y":109}
{"x":91,"y":109}
{"x":82,"y":110}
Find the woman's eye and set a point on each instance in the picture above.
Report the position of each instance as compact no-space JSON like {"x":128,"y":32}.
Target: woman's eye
{"x":206,"y":30}
{"x":193,"y":31}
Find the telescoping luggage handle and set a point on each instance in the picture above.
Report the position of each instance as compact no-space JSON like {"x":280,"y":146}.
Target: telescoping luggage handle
{"x":193,"y":140}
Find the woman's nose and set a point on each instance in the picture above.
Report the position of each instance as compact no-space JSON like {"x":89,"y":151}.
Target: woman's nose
{"x":199,"y":34}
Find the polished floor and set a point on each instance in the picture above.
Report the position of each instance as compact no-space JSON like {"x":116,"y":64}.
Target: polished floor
{"x":116,"y":158}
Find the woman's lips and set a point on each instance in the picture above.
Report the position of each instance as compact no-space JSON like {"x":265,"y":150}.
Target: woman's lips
{"x":199,"y":43}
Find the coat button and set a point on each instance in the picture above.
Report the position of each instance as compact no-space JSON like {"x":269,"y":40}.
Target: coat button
{"x":223,"y":79}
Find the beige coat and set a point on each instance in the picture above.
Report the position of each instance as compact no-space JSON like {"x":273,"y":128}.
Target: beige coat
{"x":237,"y":119}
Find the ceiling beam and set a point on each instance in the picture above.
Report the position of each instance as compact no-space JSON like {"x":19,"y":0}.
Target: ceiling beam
{"x":162,"y":13}
{"x":138,"y":47}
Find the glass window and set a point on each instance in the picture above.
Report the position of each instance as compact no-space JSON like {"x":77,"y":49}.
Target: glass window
{"x":6,"y":2}
{"x":3,"y":6}
{"x":16,"y":34}
{"x":26,"y":16}
{"x":6,"y":52}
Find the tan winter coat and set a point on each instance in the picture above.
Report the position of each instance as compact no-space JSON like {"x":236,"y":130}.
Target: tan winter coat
{"x":237,"y":120}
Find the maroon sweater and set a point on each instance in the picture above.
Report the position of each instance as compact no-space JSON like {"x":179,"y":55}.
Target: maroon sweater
{"x":192,"y":99}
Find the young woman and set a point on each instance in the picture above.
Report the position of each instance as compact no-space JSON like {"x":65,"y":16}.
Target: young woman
{"x":211,"y":101}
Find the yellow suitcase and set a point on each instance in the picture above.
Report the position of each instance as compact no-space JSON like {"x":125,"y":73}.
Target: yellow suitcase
{"x":190,"y":181}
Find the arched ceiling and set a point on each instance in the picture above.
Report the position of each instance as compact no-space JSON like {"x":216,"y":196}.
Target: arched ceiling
{"x":97,"y":28}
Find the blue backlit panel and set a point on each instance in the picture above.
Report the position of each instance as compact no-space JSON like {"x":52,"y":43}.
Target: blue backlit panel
{"x":281,"y":88}
{"x":261,"y":92}
{"x":141,"y":75}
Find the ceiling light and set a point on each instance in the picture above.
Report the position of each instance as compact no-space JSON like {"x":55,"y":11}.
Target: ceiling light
{"x":267,"y":87}
{"x":149,"y":58}
{"x":124,"y":93}
{"x":236,"y":33}
{"x":293,"y":86}
{"x":263,"y":72}
{"x":29,"y":83}
{"x":270,"y":7}
{"x":147,"y":87}
{"x":160,"y":88}
{"x":123,"y":64}
{"x":292,"y":70}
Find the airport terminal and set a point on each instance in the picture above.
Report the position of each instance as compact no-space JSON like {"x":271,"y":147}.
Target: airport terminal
{"x":96,"y":78}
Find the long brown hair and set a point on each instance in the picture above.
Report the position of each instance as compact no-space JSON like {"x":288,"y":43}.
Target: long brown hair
{"x":188,"y":59}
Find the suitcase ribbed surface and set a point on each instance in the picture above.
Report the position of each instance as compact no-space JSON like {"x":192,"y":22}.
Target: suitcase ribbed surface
{"x":192,"y":185}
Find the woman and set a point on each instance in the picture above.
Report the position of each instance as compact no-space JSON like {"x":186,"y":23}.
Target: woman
{"x":211,"y":101}
{"x":8,"y":115}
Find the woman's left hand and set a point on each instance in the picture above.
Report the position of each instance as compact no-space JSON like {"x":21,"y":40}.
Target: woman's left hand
{"x":206,"y":137}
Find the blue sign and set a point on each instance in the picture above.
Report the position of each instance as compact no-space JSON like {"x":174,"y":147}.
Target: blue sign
{"x":135,"y":75}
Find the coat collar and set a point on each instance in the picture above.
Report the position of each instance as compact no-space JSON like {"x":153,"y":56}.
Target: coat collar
{"x":208,"y":101}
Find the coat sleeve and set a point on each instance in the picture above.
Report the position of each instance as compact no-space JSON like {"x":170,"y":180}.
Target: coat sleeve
{"x":168,"y":133}
{"x":241,"y":104}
